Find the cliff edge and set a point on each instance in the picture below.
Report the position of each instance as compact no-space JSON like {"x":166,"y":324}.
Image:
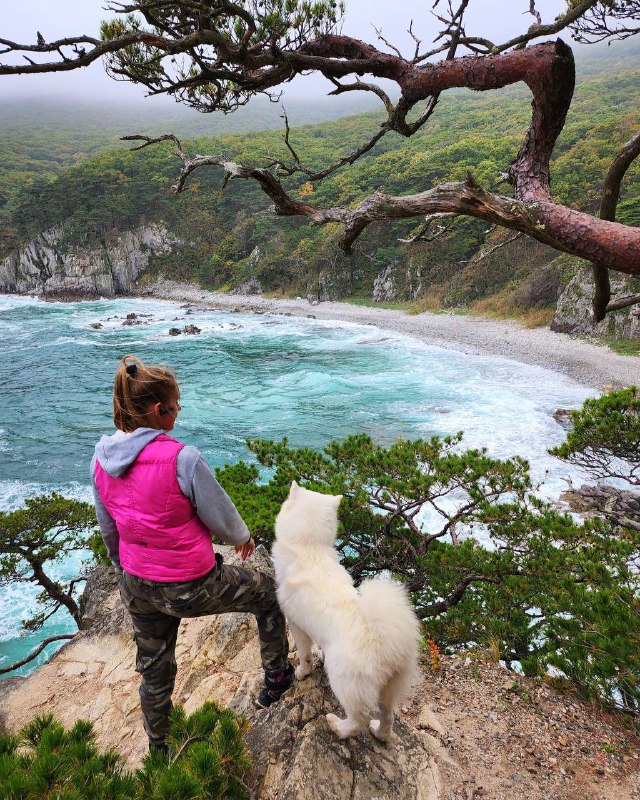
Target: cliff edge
{"x":470,"y":730}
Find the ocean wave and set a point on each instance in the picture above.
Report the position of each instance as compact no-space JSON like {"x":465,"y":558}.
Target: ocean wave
{"x":15,"y":493}
{"x":10,"y":301}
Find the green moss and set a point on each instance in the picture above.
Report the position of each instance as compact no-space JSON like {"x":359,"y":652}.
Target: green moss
{"x":624,"y":347}
{"x":396,"y":305}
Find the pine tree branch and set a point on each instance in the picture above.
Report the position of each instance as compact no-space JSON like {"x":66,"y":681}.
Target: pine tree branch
{"x":36,"y":652}
{"x":455,"y":596}
{"x":608,"y":207}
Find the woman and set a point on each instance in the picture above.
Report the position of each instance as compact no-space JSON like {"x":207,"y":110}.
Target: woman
{"x":158,"y":504}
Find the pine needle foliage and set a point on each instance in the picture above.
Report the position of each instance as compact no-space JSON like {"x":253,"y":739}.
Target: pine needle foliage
{"x":605,"y":437}
{"x":487,"y":562}
{"x":207,"y":760}
{"x":598,"y":646}
{"x":32,"y":538}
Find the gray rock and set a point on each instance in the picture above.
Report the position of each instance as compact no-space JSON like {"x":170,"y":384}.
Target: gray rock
{"x":574,"y":312}
{"x":174,"y":331}
{"x":252,"y":286}
{"x":384,"y":286}
{"x":604,"y":500}
{"x":296,"y":755}
{"x":99,"y":604}
{"x":398,"y":283}
{"x":563,"y":417}
{"x":46,"y":267}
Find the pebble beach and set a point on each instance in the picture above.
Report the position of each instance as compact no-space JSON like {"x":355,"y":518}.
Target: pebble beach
{"x":590,"y":364}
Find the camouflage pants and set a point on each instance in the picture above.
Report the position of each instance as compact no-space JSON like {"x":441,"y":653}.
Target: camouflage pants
{"x":157,"y":608}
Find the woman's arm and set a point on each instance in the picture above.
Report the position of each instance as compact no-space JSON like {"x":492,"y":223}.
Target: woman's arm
{"x":212,"y":504}
{"x":108,"y":529}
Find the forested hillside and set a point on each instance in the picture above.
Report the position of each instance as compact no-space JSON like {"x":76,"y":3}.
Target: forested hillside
{"x":230,"y":235}
{"x":40,"y":138}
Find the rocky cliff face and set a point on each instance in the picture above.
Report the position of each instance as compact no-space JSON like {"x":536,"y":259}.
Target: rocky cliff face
{"x":574,"y":311}
{"x":470,"y":730}
{"x":397,"y":283}
{"x":45,"y":267}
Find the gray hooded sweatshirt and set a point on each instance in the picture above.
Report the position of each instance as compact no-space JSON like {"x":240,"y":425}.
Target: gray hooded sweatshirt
{"x":212,"y":504}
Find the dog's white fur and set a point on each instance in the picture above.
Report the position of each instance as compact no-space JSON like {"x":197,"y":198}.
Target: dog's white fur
{"x":369,"y":637}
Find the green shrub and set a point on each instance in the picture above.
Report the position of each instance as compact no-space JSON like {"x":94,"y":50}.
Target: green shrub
{"x":545,"y":590}
{"x":207,"y":760}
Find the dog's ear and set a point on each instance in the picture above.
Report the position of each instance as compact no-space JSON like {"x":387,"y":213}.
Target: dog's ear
{"x":337,"y":498}
{"x":294,"y":489}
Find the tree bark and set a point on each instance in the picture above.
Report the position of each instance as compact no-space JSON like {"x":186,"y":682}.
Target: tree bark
{"x":54,"y":591}
{"x":608,"y":207}
{"x":44,"y":643}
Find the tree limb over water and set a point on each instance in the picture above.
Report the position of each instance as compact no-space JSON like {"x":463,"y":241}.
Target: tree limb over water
{"x":217,"y":54}
{"x":35,"y":653}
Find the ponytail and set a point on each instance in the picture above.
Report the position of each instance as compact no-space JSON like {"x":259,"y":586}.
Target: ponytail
{"x":135,"y":387}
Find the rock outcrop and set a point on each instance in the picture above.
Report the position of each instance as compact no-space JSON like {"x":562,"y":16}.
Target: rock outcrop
{"x":398,"y":283}
{"x":618,"y":505}
{"x":252,"y":286}
{"x":470,"y":730}
{"x":574,"y":313}
{"x":46,"y":266}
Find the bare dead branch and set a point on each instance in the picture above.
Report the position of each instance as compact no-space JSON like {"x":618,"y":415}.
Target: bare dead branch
{"x":423,"y":234}
{"x":362,"y":86}
{"x":565,"y":229}
{"x":613,"y":182}
{"x":484,"y":254}
{"x":286,"y":138}
{"x":44,"y":643}
{"x":610,"y":20}
{"x":83,"y":59}
{"x":455,"y":596}
{"x":417,"y":41}
{"x":623,"y":302}
{"x":389,"y":45}
{"x":538,"y":31}
{"x":533,"y":10}
{"x":608,"y":207}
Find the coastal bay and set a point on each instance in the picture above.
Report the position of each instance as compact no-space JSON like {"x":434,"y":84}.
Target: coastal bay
{"x":586,"y":362}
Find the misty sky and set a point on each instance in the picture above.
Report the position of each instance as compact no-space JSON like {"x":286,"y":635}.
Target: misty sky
{"x":497,"y":19}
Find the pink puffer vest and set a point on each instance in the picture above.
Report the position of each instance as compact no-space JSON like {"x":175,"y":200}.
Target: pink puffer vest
{"x":161,"y":537}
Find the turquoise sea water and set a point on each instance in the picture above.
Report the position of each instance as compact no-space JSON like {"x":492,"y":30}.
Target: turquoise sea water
{"x":245,"y":375}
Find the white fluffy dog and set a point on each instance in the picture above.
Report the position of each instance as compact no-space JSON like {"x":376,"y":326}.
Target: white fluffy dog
{"x":369,"y":637}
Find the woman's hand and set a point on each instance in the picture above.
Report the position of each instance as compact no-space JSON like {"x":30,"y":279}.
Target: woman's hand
{"x":246,"y":550}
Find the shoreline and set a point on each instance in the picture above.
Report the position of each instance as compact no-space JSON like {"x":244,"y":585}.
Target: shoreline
{"x":594,"y":366}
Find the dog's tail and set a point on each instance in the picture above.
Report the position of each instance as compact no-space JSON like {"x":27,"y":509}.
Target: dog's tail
{"x":386,"y":608}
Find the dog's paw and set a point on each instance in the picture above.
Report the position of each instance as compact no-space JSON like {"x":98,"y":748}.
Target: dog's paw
{"x":376,"y":729}
{"x":302,"y":671}
{"x":334,"y":723}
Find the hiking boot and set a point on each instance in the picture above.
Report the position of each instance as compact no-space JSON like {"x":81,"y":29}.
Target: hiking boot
{"x":274,"y":687}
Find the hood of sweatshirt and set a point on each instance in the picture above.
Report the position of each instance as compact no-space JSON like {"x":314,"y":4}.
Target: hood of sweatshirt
{"x":116,"y":453}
